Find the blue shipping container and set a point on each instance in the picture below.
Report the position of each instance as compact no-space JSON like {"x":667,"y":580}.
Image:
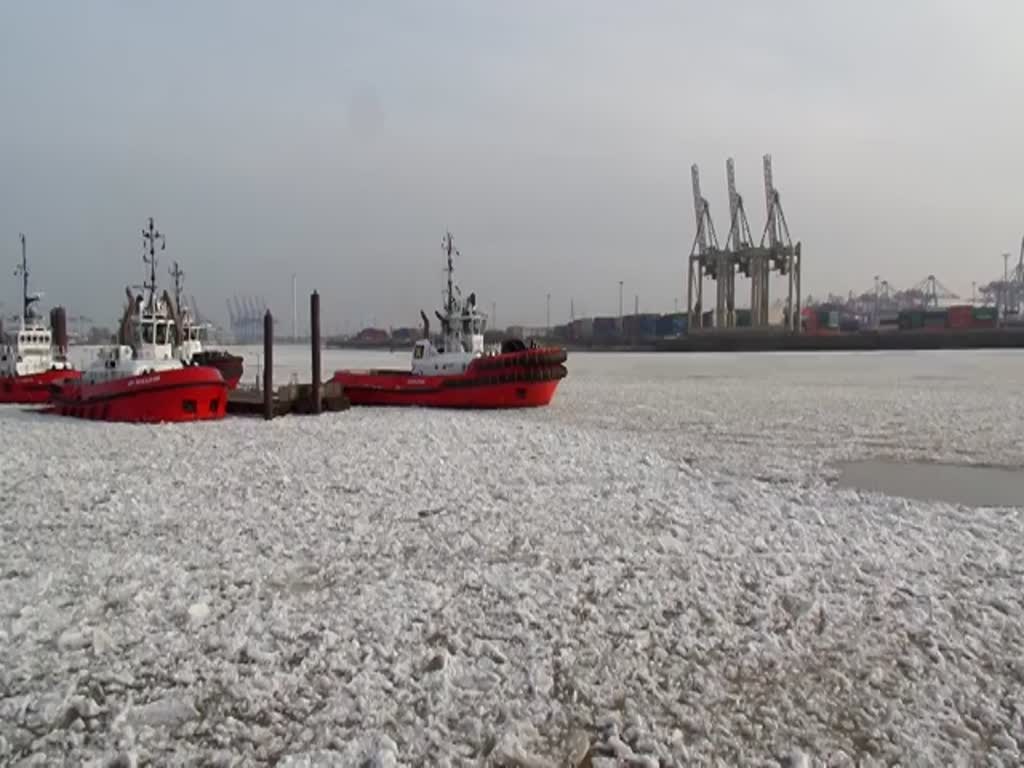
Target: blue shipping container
{"x":606,"y":327}
{"x":665,"y":326}
{"x":647,"y":325}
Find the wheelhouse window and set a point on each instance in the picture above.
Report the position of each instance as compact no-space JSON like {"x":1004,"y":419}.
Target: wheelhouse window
{"x":147,"y":332}
{"x":161,"y":333}
{"x":418,"y":352}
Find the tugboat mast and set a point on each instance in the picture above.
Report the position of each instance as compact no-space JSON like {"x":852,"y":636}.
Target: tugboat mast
{"x":448,"y":245}
{"x":22,"y":269}
{"x":149,"y":239}
{"x":178,"y":274}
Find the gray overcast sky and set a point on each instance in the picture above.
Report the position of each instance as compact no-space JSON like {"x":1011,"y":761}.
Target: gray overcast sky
{"x":339,"y":139}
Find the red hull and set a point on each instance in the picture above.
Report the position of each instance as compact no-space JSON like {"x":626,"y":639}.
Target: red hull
{"x":35,"y":388}
{"x":186,"y":394}
{"x":515,"y":380}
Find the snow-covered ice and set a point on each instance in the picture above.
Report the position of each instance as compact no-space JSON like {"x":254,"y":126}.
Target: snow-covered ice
{"x":659,"y":569}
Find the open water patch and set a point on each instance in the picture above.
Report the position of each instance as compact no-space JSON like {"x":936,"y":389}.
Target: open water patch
{"x":964,"y":484}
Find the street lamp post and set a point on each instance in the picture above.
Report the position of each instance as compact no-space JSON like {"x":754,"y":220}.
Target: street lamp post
{"x":877,"y":319}
{"x":620,"y":306}
{"x":295,"y":314}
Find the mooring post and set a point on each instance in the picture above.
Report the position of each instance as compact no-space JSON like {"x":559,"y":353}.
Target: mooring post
{"x":59,"y":331}
{"x":268,"y":366}
{"x":314,"y":332}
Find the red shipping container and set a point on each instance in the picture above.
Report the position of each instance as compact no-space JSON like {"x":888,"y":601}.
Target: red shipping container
{"x":809,"y":320}
{"x":961,"y":316}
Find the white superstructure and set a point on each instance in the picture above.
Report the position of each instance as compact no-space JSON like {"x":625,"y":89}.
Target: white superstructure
{"x":30,"y":349}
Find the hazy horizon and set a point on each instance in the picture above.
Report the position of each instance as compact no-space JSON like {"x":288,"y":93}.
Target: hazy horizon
{"x":338,"y":141}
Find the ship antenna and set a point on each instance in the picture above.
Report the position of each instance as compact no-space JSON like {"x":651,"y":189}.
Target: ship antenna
{"x":448,"y":244}
{"x":22,"y":269}
{"x":150,"y":237}
{"x":178,"y":274}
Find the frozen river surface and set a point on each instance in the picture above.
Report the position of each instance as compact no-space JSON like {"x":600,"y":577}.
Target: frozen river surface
{"x":660,"y":568}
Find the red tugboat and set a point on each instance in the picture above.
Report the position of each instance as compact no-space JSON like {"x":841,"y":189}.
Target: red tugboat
{"x":143,"y":379}
{"x":460,"y":373}
{"x":193,"y":335}
{"x":30,"y":365}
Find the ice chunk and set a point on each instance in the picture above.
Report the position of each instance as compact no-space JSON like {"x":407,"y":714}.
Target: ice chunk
{"x":512,"y":751}
{"x":167,"y":712}
{"x":101,"y":641}
{"x":74,"y":639}
{"x":198,"y":613}
{"x":321,"y":758}
{"x":795,"y":759}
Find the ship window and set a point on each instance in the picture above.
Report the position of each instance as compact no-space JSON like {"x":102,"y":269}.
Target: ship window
{"x":147,"y":333}
{"x":161,"y":333}
{"x":418,"y":353}
{"x":214,"y":404}
{"x":188,"y":406}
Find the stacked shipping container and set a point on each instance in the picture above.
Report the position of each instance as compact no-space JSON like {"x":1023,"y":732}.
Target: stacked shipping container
{"x":642,"y":328}
{"x":960,"y":317}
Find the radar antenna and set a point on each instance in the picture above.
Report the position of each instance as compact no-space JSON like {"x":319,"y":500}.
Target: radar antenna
{"x":179,"y":278}
{"x":22,"y":271}
{"x":448,"y":246}
{"x":150,"y":237}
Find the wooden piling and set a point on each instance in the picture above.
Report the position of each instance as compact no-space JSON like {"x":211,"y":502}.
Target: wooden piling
{"x":59,"y":331}
{"x":268,"y":366}
{"x":314,"y":332}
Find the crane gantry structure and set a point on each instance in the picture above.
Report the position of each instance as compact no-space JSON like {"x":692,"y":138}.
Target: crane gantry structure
{"x":775,"y":252}
{"x":932,"y":292}
{"x":1007,"y":293}
{"x":245,"y":315}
